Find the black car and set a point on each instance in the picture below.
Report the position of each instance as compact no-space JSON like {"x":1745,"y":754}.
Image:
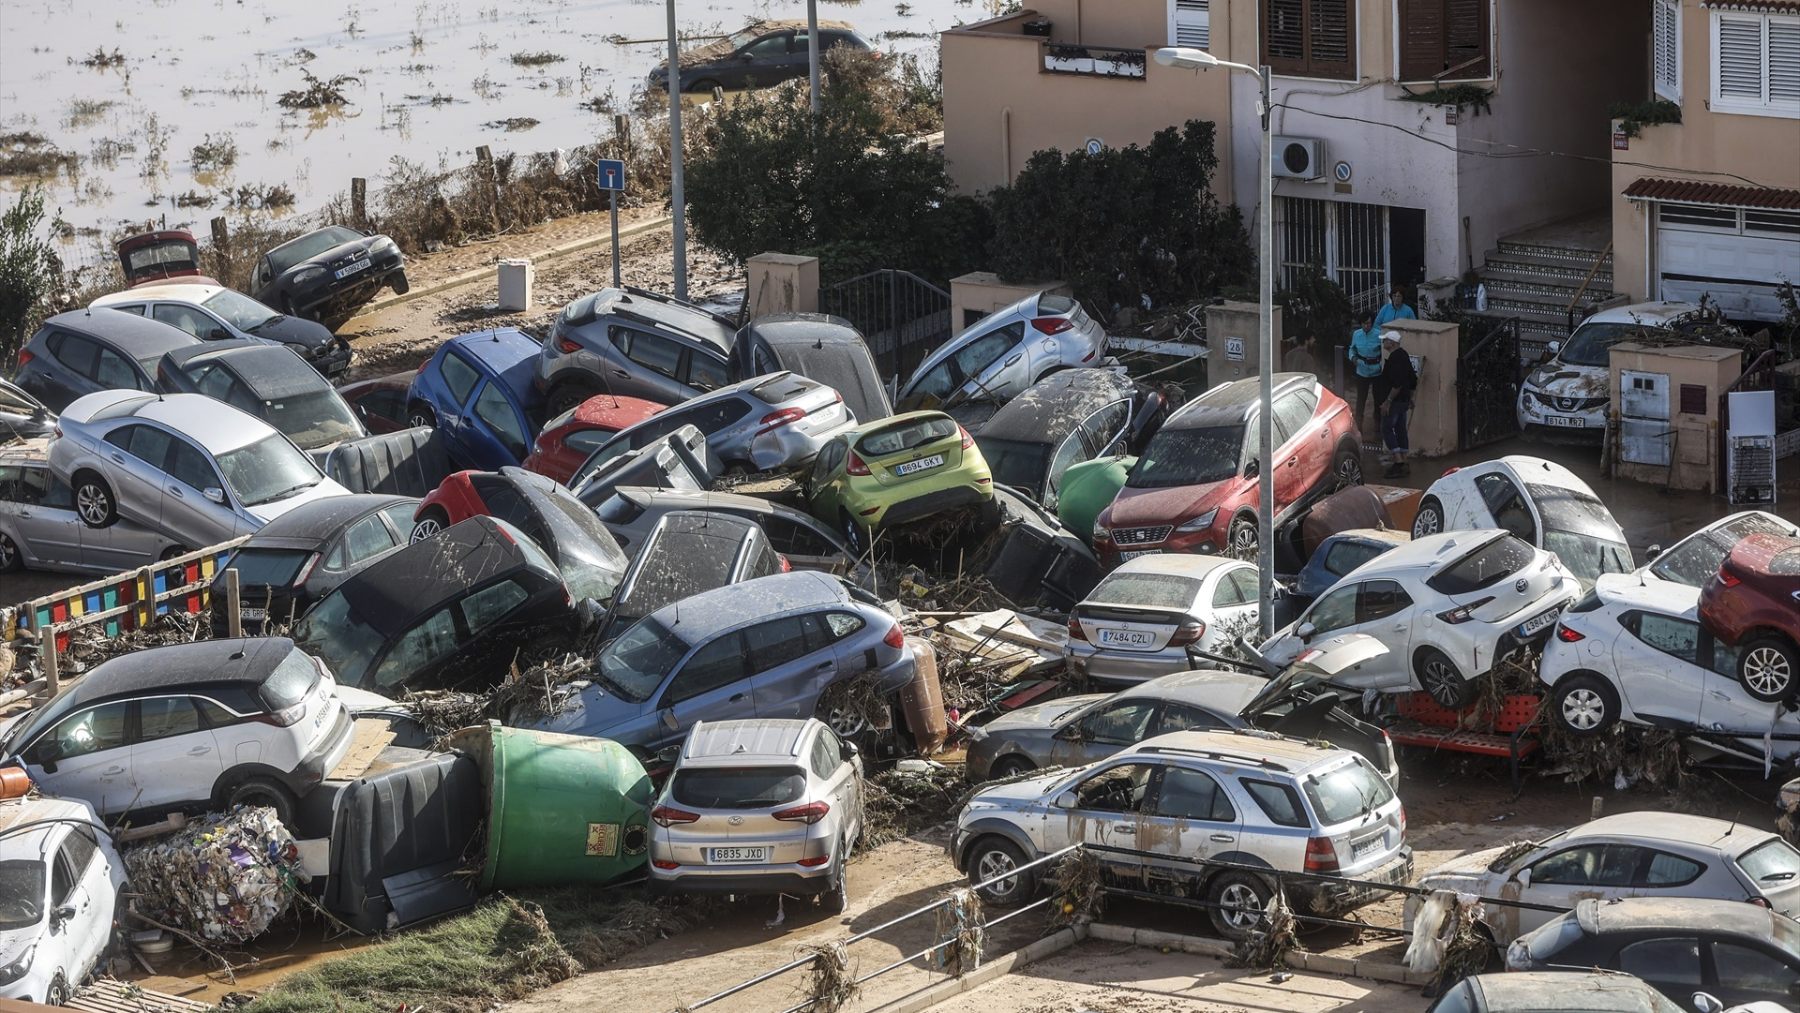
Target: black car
{"x":765,"y":53}
{"x":22,"y":417}
{"x":271,"y":382}
{"x":326,"y":275}
{"x":1066,"y":418}
{"x":687,"y":552}
{"x":82,"y":352}
{"x":456,"y":611}
{"x":823,"y":348}
{"x":303,"y":555}
{"x":1738,"y":953}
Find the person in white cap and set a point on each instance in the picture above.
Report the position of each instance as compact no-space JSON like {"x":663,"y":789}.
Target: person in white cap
{"x":1394,"y":399}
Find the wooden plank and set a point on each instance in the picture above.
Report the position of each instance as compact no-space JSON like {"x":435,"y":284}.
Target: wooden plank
{"x":109,"y":996}
{"x":367,"y":739}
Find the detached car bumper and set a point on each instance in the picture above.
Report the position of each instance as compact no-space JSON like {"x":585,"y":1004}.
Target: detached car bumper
{"x":325,"y":756}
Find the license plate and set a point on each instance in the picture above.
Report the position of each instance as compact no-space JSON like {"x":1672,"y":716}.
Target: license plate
{"x":922,"y":464}
{"x":1135,"y":553}
{"x":738,"y":856}
{"x":345,"y":272}
{"x":1539,"y":623}
{"x":1127,"y":638}
{"x":1566,"y":421}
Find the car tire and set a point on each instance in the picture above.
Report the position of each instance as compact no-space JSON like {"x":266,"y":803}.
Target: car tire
{"x":565,"y":396}
{"x":995,"y":856}
{"x":845,"y":721}
{"x":1767,"y":666}
{"x":94,"y":500}
{"x":1584,"y":704}
{"x":1346,"y":467}
{"x":401,"y":285}
{"x":1236,"y":902}
{"x":1241,"y":538}
{"x":853,"y":533}
{"x":431,"y":523}
{"x":1430,"y":518}
{"x":836,"y":898}
{"x":263,"y":791}
{"x":11,"y":559}
{"x":1439,"y":677}
{"x":58,"y":992}
{"x":420,"y":414}
{"x":1010,"y":766}
{"x":172,"y":552}
{"x":704,"y":86}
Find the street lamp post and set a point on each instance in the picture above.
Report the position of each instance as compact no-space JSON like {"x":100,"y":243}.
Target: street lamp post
{"x":677,"y":199}
{"x":1200,"y":59}
{"x":812,"y":52}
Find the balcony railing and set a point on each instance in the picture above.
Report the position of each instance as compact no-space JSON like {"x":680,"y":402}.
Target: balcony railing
{"x":1101,"y":61}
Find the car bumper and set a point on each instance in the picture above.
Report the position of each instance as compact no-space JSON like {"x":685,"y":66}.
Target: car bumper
{"x":1329,"y":899}
{"x":331,"y":359}
{"x":325,"y":756}
{"x":773,"y":880}
{"x":1589,"y":422}
{"x":927,"y":503}
{"x":1205,"y":543}
{"x":1121,"y":666}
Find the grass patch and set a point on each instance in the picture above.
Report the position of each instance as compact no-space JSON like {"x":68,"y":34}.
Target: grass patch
{"x":504,"y":949}
{"x":100,"y":58}
{"x":537,"y":59}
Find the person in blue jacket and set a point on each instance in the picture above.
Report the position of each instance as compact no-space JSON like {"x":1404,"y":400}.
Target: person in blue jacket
{"x":1396,"y":309}
{"x":1364,"y":354}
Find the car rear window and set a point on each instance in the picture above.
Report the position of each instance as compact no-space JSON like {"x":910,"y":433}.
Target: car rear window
{"x":289,"y":683}
{"x":1015,"y":462}
{"x":1347,"y":793}
{"x":783,"y":389}
{"x":737,"y":787}
{"x":1051,"y":303}
{"x":1160,"y":590}
{"x":1277,"y":801}
{"x":906,"y":436}
{"x":677,"y":568}
{"x":1485,"y":567}
{"x":1771,"y":863}
{"x":267,"y":567}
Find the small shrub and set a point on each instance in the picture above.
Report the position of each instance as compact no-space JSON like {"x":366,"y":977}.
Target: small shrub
{"x":214,"y":154}
{"x":537,"y":59}
{"x":30,"y":270}
{"x":318,"y":92}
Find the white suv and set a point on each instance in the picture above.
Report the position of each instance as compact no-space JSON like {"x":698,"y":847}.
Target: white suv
{"x":1162,"y":813}
{"x":193,"y":726}
{"x":759,"y":807}
{"x":60,"y":883}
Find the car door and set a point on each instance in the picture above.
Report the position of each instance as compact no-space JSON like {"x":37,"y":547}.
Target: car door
{"x":87,"y":755}
{"x":1378,"y":607}
{"x":711,"y":685}
{"x":137,"y":454}
{"x":1659,"y":655}
{"x":761,"y":62}
{"x":174,"y":756}
{"x":1506,"y":506}
{"x":84,"y":899}
{"x":189,"y":511}
{"x":1724,"y":706}
{"x":1106,"y":729}
{"x":1234,"y":603}
{"x":837,"y":778}
{"x":790,"y":662}
{"x":1109,"y":806}
{"x":1558,"y":880}
{"x":42,"y":512}
{"x":658,"y":359}
{"x":1746,"y":971}
{"x":1672,"y":964}
{"x":506,"y":434}
{"x":1192,"y":820}
{"x":996,"y":363}
{"x":492,"y":629}
{"x":1295,"y":459}
{"x":460,"y":378}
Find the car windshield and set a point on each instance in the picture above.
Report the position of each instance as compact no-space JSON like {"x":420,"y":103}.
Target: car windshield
{"x":21,"y":893}
{"x":314,"y":420}
{"x":636,"y":663}
{"x":1697,"y":558}
{"x":268,"y":567}
{"x":1195,"y":456}
{"x":334,"y":633}
{"x":1158,"y":590}
{"x":1580,"y":530}
{"x":267,"y":470}
{"x":1774,"y":862}
{"x":588,"y":556}
{"x":311,"y":245}
{"x":737,"y":787}
{"x":1484,"y":567}
{"x":1347,"y":793}
{"x":1589,"y":345}
{"x":240,"y":311}
{"x":1015,"y":462}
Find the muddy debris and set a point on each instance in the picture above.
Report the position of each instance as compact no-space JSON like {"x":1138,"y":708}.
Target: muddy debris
{"x":904,"y":801}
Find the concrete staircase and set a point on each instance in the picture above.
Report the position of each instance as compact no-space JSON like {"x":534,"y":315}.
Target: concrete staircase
{"x":1535,"y":279}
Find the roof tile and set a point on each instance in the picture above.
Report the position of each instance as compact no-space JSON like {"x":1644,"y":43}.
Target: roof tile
{"x":1696,"y":192}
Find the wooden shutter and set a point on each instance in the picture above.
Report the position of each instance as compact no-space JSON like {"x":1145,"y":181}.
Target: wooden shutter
{"x":1466,"y":39}
{"x":1444,"y":38}
{"x":1284,"y":35}
{"x":1421,"y":39}
{"x":1666,"y":39}
{"x":1331,"y":38}
{"x":1784,"y":61}
{"x":1739,"y":67}
{"x":1190,"y":23}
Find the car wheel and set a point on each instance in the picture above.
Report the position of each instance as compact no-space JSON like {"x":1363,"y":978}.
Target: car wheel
{"x":263,"y":791}
{"x":836,"y":898}
{"x":1430,"y":518}
{"x":432,"y":521}
{"x":94,"y":500}
{"x":1242,"y":539}
{"x":853,"y":532}
{"x":400,"y":285}
{"x":1584,"y":705}
{"x":420,"y":414}
{"x":565,"y":396}
{"x":992,"y":857}
{"x":841,"y":715}
{"x":1439,"y":677}
{"x":1347,"y":468}
{"x":704,"y":86}
{"x":1010,"y":766}
{"x":1767,"y":665}
{"x":58,"y":992}
{"x":1238,"y":900}
{"x":10,"y":557}
{"x":172,"y":552}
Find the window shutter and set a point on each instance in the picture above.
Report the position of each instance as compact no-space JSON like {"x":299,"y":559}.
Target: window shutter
{"x":1330,"y":53}
{"x":1284,"y":35}
{"x":1740,"y":64}
{"x":1666,"y":32}
{"x":1191,"y":23}
{"x":1421,"y":39}
{"x":1784,"y":60}
{"x":1466,"y":38}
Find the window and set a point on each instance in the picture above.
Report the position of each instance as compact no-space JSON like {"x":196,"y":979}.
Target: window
{"x":1380,"y":599}
{"x":1591,"y":865}
{"x":794,"y":538}
{"x":489,"y":605}
{"x":1671,"y":870}
{"x":73,"y":351}
{"x":1507,"y":505}
{"x":1310,"y":38}
{"x":1104,"y":426}
{"x":1753,"y":970}
{"x":718,"y":664}
{"x":89,"y":731}
{"x":1193,"y":795}
{"x":1444,"y":40}
{"x":78,"y":849}
{"x":774,"y":643}
{"x":1118,"y":789}
{"x":737,"y":787}
{"x":1277,"y":801}
{"x":113,"y":372}
{"x":1484,"y":567}
{"x":1292,"y":413}
{"x":62,"y":881}
{"x":842,"y":624}
{"x":1119,"y":725}
{"x":496,"y":412}
{"x":163,"y":716}
{"x":190,"y":467}
{"x":705,"y":372}
{"x":1756,"y":64}
{"x":1334,"y":611}
{"x":1239,"y":587}
{"x":423,"y":645}
{"x":1666,"y":48}
{"x":1663,"y":961}
{"x":1190,"y":23}
{"x":657,"y":354}
{"x":1677,"y":638}
{"x":1178,"y":717}
{"x":825,"y":758}
{"x":1693,"y":399}
{"x":367,"y":537}
{"x":1347,"y":556}
{"x":586,"y":441}
{"x":185,"y":317}
{"x":769,"y":46}
{"x":459,"y":376}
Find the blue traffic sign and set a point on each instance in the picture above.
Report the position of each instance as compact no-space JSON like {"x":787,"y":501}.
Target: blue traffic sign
{"x":612,"y":174}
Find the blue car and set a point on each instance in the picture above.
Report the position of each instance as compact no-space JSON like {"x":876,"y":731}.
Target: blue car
{"x":477,"y":392}
{"x":1337,"y":555}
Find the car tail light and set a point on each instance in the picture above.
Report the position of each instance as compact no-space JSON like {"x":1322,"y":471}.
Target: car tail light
{"x":1728,"y":579}
{"x":854,"y":465}
{"x":896,"y":637}
{"x":668,"y":816}
{"x":286,"y":717}
{"x":811,"y":812}
{"x":57,"y":429}
{"x":312,"y":560}
{"x":1088,"y":356}
{"x":567,"y":347}
{"x":1075,"y":630}
{"x":1320,"y":855}
{"x":968,"y":441}
{"x":422,"y":364}
{"x":815,"y":862}
{"x":786,"y":567}
{"x":777,"y":419}
{"x":1052,"y":325}
{"x":664,"y":864}
{"x":1568,"y":635}
{"x":25,"y":356}
{"x":1463,"y":613}
{"x":1403,"y":819}
{"x":1453,"y":469}
{"x":1759,"y":901}
{"x":1187,"y":633}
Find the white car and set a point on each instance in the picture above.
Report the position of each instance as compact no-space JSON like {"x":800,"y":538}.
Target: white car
{"x":60,"y":884}
{"x":1631,"y":651}
{"x":759,"y":807}
{"x":1447,"y":607}
{"x":193,"y":727}
{"x":1542,"y":502}
{"x":196,"y":469}
{"x":213,"y":313}
{"x":1005,"y":352}
{"x":1141,"y":621}
{"x":1695,"y":559}
{"x":1568,"y":393}
{"x":1643,"y":854}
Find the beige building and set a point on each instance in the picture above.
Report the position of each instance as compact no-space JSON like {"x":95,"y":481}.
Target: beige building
{"x":1711,"y":205}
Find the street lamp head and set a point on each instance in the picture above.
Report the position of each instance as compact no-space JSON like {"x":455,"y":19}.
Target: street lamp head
{"x":1186,"y":58}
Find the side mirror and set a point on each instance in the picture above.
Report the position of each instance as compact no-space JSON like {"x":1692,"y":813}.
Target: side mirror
{"x":63,"y":914}
{"x":847,"y":751}
{"x":1523,"y":877}
{"x":1306,"y":630}
{"x":1705,"y":1003}
{"x":1553,"y":347}
{"x":214,"y":493}
{"x":668,"y":722}
{"x":1069,"y":733}
{"x":218,"y":334}
{"x":1250,"y":468}
{"x":1066,"y":800}
{"x":1652,"y":552}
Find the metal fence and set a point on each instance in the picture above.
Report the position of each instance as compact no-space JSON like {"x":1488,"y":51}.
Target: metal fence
{"x":901,"y":316}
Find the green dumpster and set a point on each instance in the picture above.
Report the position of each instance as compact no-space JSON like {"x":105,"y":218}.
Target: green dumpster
{"x":1087,"y":489}
{"x":562,"y":809}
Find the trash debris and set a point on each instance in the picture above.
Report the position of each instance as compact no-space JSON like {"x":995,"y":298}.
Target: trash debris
{"x":830,"y":980}
{"x":1079,"y":884}
{"x":1267,"y":944}
{"x":227,"y":876}
{"x":961,"y":925}
{"x":898,"y":803}
{"x":780,"y":912}
{"x":1281,"y":977}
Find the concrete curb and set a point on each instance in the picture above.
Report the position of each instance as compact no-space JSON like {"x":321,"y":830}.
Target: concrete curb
{"x":918,"y":1002}
{"x":1299,"y":960}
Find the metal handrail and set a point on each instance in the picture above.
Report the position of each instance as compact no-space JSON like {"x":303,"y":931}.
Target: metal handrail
{"x":1593,"y":269}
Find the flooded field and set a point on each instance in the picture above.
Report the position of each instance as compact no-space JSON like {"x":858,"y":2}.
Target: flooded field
{"x":170,"y":110}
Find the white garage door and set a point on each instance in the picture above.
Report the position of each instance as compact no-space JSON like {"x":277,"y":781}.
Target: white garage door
{"x":1738,"y":258}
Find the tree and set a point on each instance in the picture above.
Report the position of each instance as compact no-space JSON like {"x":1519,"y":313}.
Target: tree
{"x":29,"y":271}
{"x":1316,"y":308}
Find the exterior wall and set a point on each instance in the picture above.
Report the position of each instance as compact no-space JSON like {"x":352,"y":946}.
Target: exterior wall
{"x":783,"y":283}
{"x":975,"y":295}
{"x":1708,"y":146}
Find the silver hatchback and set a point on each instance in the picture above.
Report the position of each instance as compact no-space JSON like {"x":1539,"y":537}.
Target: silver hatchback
{"x":1005,"y":352}
{"x":759,"y":807}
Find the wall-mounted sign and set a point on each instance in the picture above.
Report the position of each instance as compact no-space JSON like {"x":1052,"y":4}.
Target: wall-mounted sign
{"x":1094,"y":144}
{"x":1341,"y":171}
{"x":1621,"y":141}
{"x":1234,"y":349}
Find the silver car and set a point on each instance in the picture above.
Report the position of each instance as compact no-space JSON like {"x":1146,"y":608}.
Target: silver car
{"x":1160,"y":814}
{"x":195,"y":469}
{"x":40,"y":530}
{"x":1145,"y":617}
{"x":761,"y":424}
{"x":759,"y":807}
{"x":633,"y":343}
{"x":1005,"y":352}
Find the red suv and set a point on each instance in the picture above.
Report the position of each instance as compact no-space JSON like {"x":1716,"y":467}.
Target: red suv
{"x":1753,"y":604}
{"x":1194,"y":488}
{"x":568,"y":439}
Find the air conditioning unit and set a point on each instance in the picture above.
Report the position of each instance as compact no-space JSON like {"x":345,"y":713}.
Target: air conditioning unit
{"x":1299,"y":157}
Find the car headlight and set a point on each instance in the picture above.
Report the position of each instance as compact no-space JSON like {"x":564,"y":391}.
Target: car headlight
{"x":19,"y":968}
{"x":1101,"y":532}
{"x":383,"y":244}
{"x":307,"y":275}
{"x":1200,"y":523}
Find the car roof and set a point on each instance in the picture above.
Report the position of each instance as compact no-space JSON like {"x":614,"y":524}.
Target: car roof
{"x":1674,"y":827}
{"x":270,"y":371}
{"x":1056,"y":405}
{"x":745,"y":741}
{"x":417,"y":578}
{"x":506,"y":352}
{"x":323,"y":228}
{"x":1385,"y":536}
{"x":1549,"y":991}
{"x":619,"y":412}
{"x":18,"y":843}
{"x":1232,"y":402}
{"x":215,"y":425}
{"x":723,"y":608}
{"x":1183,"y":564}
{"x":247,"y":661}
{"x":1536,"y":469}
{"x":142,"y":337}
{"x":1223,"y":692}
{"x":1755,"y":553}
{"x":1654,"y":313}
{"x":173,"y":291}
{"x":319,"y":519}
{"x":781,"y":330}
{"x":665,"y":311}
{"x":1689,"y":913}
{"x":1428,"y":553}
{"x":700,"y":500}
{"x":1248,"y":747}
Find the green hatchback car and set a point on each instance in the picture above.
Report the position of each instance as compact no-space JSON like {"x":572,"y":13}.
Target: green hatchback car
{"x":897,"y":470}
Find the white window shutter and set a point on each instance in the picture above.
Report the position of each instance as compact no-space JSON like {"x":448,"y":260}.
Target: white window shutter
{"x":1784,"y":61}
{"x":1190,"y":23}
{"x":1739,"y":65}
{"x":1667,"y":45}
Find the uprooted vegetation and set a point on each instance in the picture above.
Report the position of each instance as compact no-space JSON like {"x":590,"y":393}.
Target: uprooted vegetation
{"x":101,"y":59}
{"x":537,"y":59}
{"x":318,"y":92}
{"x":214,"y":154}
{"x":24,"y":153}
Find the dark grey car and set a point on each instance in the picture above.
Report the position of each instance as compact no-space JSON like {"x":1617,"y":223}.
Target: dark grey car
{"x":633,"y":343}
{"x":684,"y":554}
{"x":327,"y":274}
{"x":86,"y":351}
{"x":819,"y":347}
{"x":763,"y":54}
{"x":631,"y":512}
{"x":273,"y":383}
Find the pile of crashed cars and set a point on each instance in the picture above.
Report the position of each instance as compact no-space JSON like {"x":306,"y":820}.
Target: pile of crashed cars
{"x":660,"y":545}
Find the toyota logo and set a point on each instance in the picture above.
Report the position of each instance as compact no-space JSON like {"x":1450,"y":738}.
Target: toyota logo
{"x":1520,"y":585}
{"x":735,"y":820}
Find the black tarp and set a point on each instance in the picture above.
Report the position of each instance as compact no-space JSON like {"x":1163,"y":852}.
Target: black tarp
{"x":399,"y":839}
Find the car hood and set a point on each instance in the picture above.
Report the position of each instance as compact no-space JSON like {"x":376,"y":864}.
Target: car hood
{"x":1011,"y":794}
{"x":590,"y":711}
{"x":1558,"y":380}
{"x":295,"y":331}
{"x":357,"y":246}
{"x":1465,"y":874}
{"x":1041,"y":716}
{"x":266,"y":512}
{"x":1135,"y":508}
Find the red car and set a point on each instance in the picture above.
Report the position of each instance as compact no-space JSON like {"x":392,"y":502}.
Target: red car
{"x":1194,"y":488}
{"x":151,"y":258}
{"x":568,"y":439}
{"x":1753,"y":605}
{"x":380,"y":403}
